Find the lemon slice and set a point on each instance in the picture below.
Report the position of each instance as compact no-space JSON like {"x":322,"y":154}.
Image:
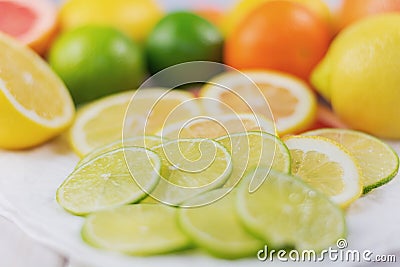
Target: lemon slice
{"x":34,"y":103}
{"x":379,"y":163}
{"x":128,"y":114}
{"x":108,"y":181}
{"x":215,"y":227}
{"x":217,"y":125}
{"x":250,"y":150}
{"x":147,"y":141}
{"x":291,"y":101}
{"x":190,"y":167}
{"x":327,"y":166}
{"x":140,"y":229}
{"x":287,"y":213}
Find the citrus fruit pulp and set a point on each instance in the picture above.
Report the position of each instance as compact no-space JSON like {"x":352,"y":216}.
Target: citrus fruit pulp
{"x":118,"y":177}
{"x":285,"y":212}
{"x":281,"y":97}
{"x":326,"y":166}
{"x":215,"y":228}
{"x":135,"y":229}
{"x":32,"y":98}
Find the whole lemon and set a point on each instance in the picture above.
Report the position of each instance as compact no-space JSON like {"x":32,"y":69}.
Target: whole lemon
{"x":134,"y":17}
{"x":360,"y":75}
{"x":95,"y":61}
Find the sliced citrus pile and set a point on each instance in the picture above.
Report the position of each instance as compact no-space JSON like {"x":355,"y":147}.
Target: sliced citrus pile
{"x":286,"y":99}
{"x":251,"y":150}
{"x":215,"y":227}
{"x":34,"y":103}
{"x":217,"y":125}
{"x":326,"y":166}
{"x":190,"y":167}
{"x":379,"y":163}
{"x":32,"y":22}
{"x":285,"y":212}
{"x":127,"y":115}
{"x":118,"y":177}
{"x":142,"y":229}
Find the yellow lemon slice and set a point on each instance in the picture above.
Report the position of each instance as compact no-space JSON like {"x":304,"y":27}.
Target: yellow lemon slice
{"x":127,"y":115}
{"x":34,"y":103}
{"x":326,"y":166}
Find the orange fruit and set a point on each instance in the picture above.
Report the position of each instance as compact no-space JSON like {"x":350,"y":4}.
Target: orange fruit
{"x":238,"y":12}
{"x":34,"y":23}
{"x":353,"y":10}
{"x":279,"y":35}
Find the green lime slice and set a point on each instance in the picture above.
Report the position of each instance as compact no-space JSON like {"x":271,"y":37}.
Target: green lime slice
{"x":140,"y":229}
{"x":253,"y":149}
{"x":147,"y":141}
{"x":215,"y":227}
{"x":190,"y":167}
{"x":107,"y":181}
{"x":287,"y":213}
{"x":379,"y":163}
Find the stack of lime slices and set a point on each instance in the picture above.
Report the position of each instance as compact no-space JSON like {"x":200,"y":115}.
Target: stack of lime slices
{"x":228,"y":196}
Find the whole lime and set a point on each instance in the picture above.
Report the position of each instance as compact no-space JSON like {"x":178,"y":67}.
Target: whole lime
{"x":96,"y":61}
{"x":182,"y":37}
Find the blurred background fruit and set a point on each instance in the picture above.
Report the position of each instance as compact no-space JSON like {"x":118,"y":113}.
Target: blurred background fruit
{"x":134,"y":17}
{"x":240,"y":11}
{"x":360,"y":75}
{"x":212,"y":14}
{"x":35,"y":106}
{"x":34,"y":23}
{"x":95,"y":61}
{"x":353,"y":10}
{"x":279,"y":35}
{"x":182,"y":37}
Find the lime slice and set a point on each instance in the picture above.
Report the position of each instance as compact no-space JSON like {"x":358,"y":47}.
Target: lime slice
{"x":215,"y":227}
{"x":140,"y":229}
{"x":253,"y":149}
{"x":327,"y":166}
{"x":107,"y":181}
{"x":190,"y":167}
{"x":379,"y":163}
{"x":146,"y":141}
{"x":285,"y":212}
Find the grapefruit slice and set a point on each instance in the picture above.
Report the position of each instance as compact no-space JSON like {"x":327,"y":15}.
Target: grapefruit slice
{"x":31,"y":22}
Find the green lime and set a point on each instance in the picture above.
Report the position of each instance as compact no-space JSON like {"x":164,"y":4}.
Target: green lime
{"x":140,"y":229}
{"x":287,"y":213}
{"x":215,"y":227}
{"x":190,"y":167}
{"x":96,"y":61}
{"x":254,"y":149}
{"x":122,"y":176}
{"x":147,"y":141}
{"x":182,"y":37}
{"x":379,"y":163}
